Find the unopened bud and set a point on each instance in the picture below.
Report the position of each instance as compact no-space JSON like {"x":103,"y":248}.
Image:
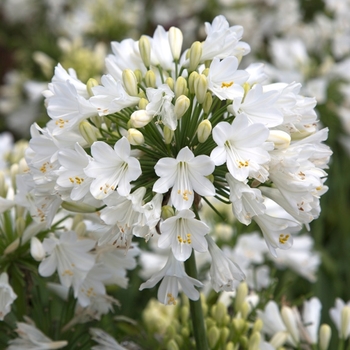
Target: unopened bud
{"x":280,"y":139}
{"x":168,"y":135}
{"x":206,"y":72}
{"x":208,"y":101}
{"x":80,"y":229}
{"x":254,"y":341}
{"x":89,"y":132}
{"x":245,"y":309}
{"x":167,"y":212}
{"x":290,"y":322}
{"x":20,"y":226}
{"x":90,"y":84}
{"x":224,"y":334}
{"x":181,"y":106}
{"x":218,"y":312}
{"x":145,"y":50}
{"x":192,"y":78}
{"x":150,"y":79}
{"x":325,"y":336}
{"x":138,"y":75}
{"x":78,"y":207}
{"x":238,"y":324}
{"x":3,"y":185}
{"x":140,"y":118}
{"x":200,"y":87}
{"x":143,"y":103}
{"x":170,"y":82}
{"x":279,"y":339}
{"x":180,"y":86}
{"x":175,"y":42}
{"x":345,"y":322}
{"x":230,"y":346}
{"x":12,"y":246}
{"x":135,"y":137}
{"x":241,"y":294}
{"x":204,"y":130}
{"x":172,"y":345}
{"x":213,"y":336}
{"x":258,"y":325}
{"x":195,"y":55}
{"x":36,"y":249}
{"x":130,"y":82}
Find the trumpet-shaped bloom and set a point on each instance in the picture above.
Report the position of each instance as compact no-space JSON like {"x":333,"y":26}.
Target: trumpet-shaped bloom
{"x":185,"y":174}
{"x":242,"y":146}
{"x":173,"y":274}
{"x":112,"y":169}
{"x":183,"y":232}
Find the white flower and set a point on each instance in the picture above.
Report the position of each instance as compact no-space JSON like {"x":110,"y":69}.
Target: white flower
{"x":338,"y":315}
{"x":242,"y":147}
{"x":160,"y":104}
{"x":224,"y":273}
{"x":105,"y":341}
{"x":224,"y":80}
{"x":112,"y":169}
{"x":311,"y":319}
{"x":246,"y":201}
{"x":185,"y":174}
{"x":7,"y":295}
{"x":111,"y":97}
{"x":171,"y":275}
{"x":183,"y":232}
{"x":32,"y":338}
{"x":69,"y":256}
{"x":161,"y":51}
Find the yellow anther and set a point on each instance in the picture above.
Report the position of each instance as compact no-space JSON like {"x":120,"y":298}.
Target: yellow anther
{"x":283,"y":238}
{"x":171,"y":299}
{"x":226,"y":85}
{"x":243,"y":164}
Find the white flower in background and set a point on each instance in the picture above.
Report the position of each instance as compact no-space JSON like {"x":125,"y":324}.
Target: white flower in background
{"x":173,"y":274}
{"x":241,"y":147}
{"x":31,"y":337}
{"x":224,"y":273}
{"x":183,"y":232}
{"x":70,"y":257}
{"x":105,"y":341}
{"x":112,"y":169}
{"x":340,"y":315}
{"x":7,"y":295}
{"x":185,"y":175}
{"x":311,"y":316}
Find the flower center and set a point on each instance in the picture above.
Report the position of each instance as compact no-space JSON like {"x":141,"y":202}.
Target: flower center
{"x":283,"y":238}
{"x":226,"y":85}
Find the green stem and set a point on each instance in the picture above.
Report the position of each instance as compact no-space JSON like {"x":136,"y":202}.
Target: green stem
{"x":196,"y":309}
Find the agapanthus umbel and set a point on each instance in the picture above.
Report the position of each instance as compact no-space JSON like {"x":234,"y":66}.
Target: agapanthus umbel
{"x":165,"y":129}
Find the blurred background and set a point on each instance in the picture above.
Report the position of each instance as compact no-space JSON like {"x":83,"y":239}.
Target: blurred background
{"x":307,"y":41}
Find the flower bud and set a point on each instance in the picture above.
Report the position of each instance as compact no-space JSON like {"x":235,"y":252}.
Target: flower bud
{"x":280,"y":139}
{"x":181,"y":106}
{"x":89,"y":132}
{"x":224,"y":334}
{"x":290,"y":322}
{"x":170,"y":82}
{"x":206,"y":72}
{"x":20,"y":226}
{"x":238,"y":324}
{"x":140,"y":118}
{"x":180,"y":87}
{"x":135,"y":137}
{"x":145,"y":50}
{"x":143,"y":103}
{"x":150,"y":79}
{"x":195,"y":55}
{"x":90,"y":84}
{"x":325,"y":336}
{"x":192,"y":78}
{"x":200,"y":87}
{"x":254,"y":341}
{"x":36,"y":249}
{"x":258,"y":325}
{"x":168,"y":135}
{"x":230,"y":346}
{"x":207,"y":102}
{"x":175,"y":41}
{"x":138,"y":75}
{"x":172,"y":345}
{"x":167,"y":212}
{"x":213,"y":336}
{"x":279,"y":339}
{"x":12,"y":246}
{"x":130,"y":82}
{"x":3,"y":185}
{"x":204,"y":130}
{"x":345,"y":322}
{"x":241,"y":294}
{"x":78,"y":207}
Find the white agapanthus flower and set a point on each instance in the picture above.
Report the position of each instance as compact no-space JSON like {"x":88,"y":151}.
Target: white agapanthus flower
{"x":7,"y":295}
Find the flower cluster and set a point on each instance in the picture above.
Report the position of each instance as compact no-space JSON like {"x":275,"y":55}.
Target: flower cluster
{"x":162,"y":131}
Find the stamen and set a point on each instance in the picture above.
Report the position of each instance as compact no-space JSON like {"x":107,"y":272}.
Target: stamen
{"x":226,"y":85}
{"x":283,"y":238}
